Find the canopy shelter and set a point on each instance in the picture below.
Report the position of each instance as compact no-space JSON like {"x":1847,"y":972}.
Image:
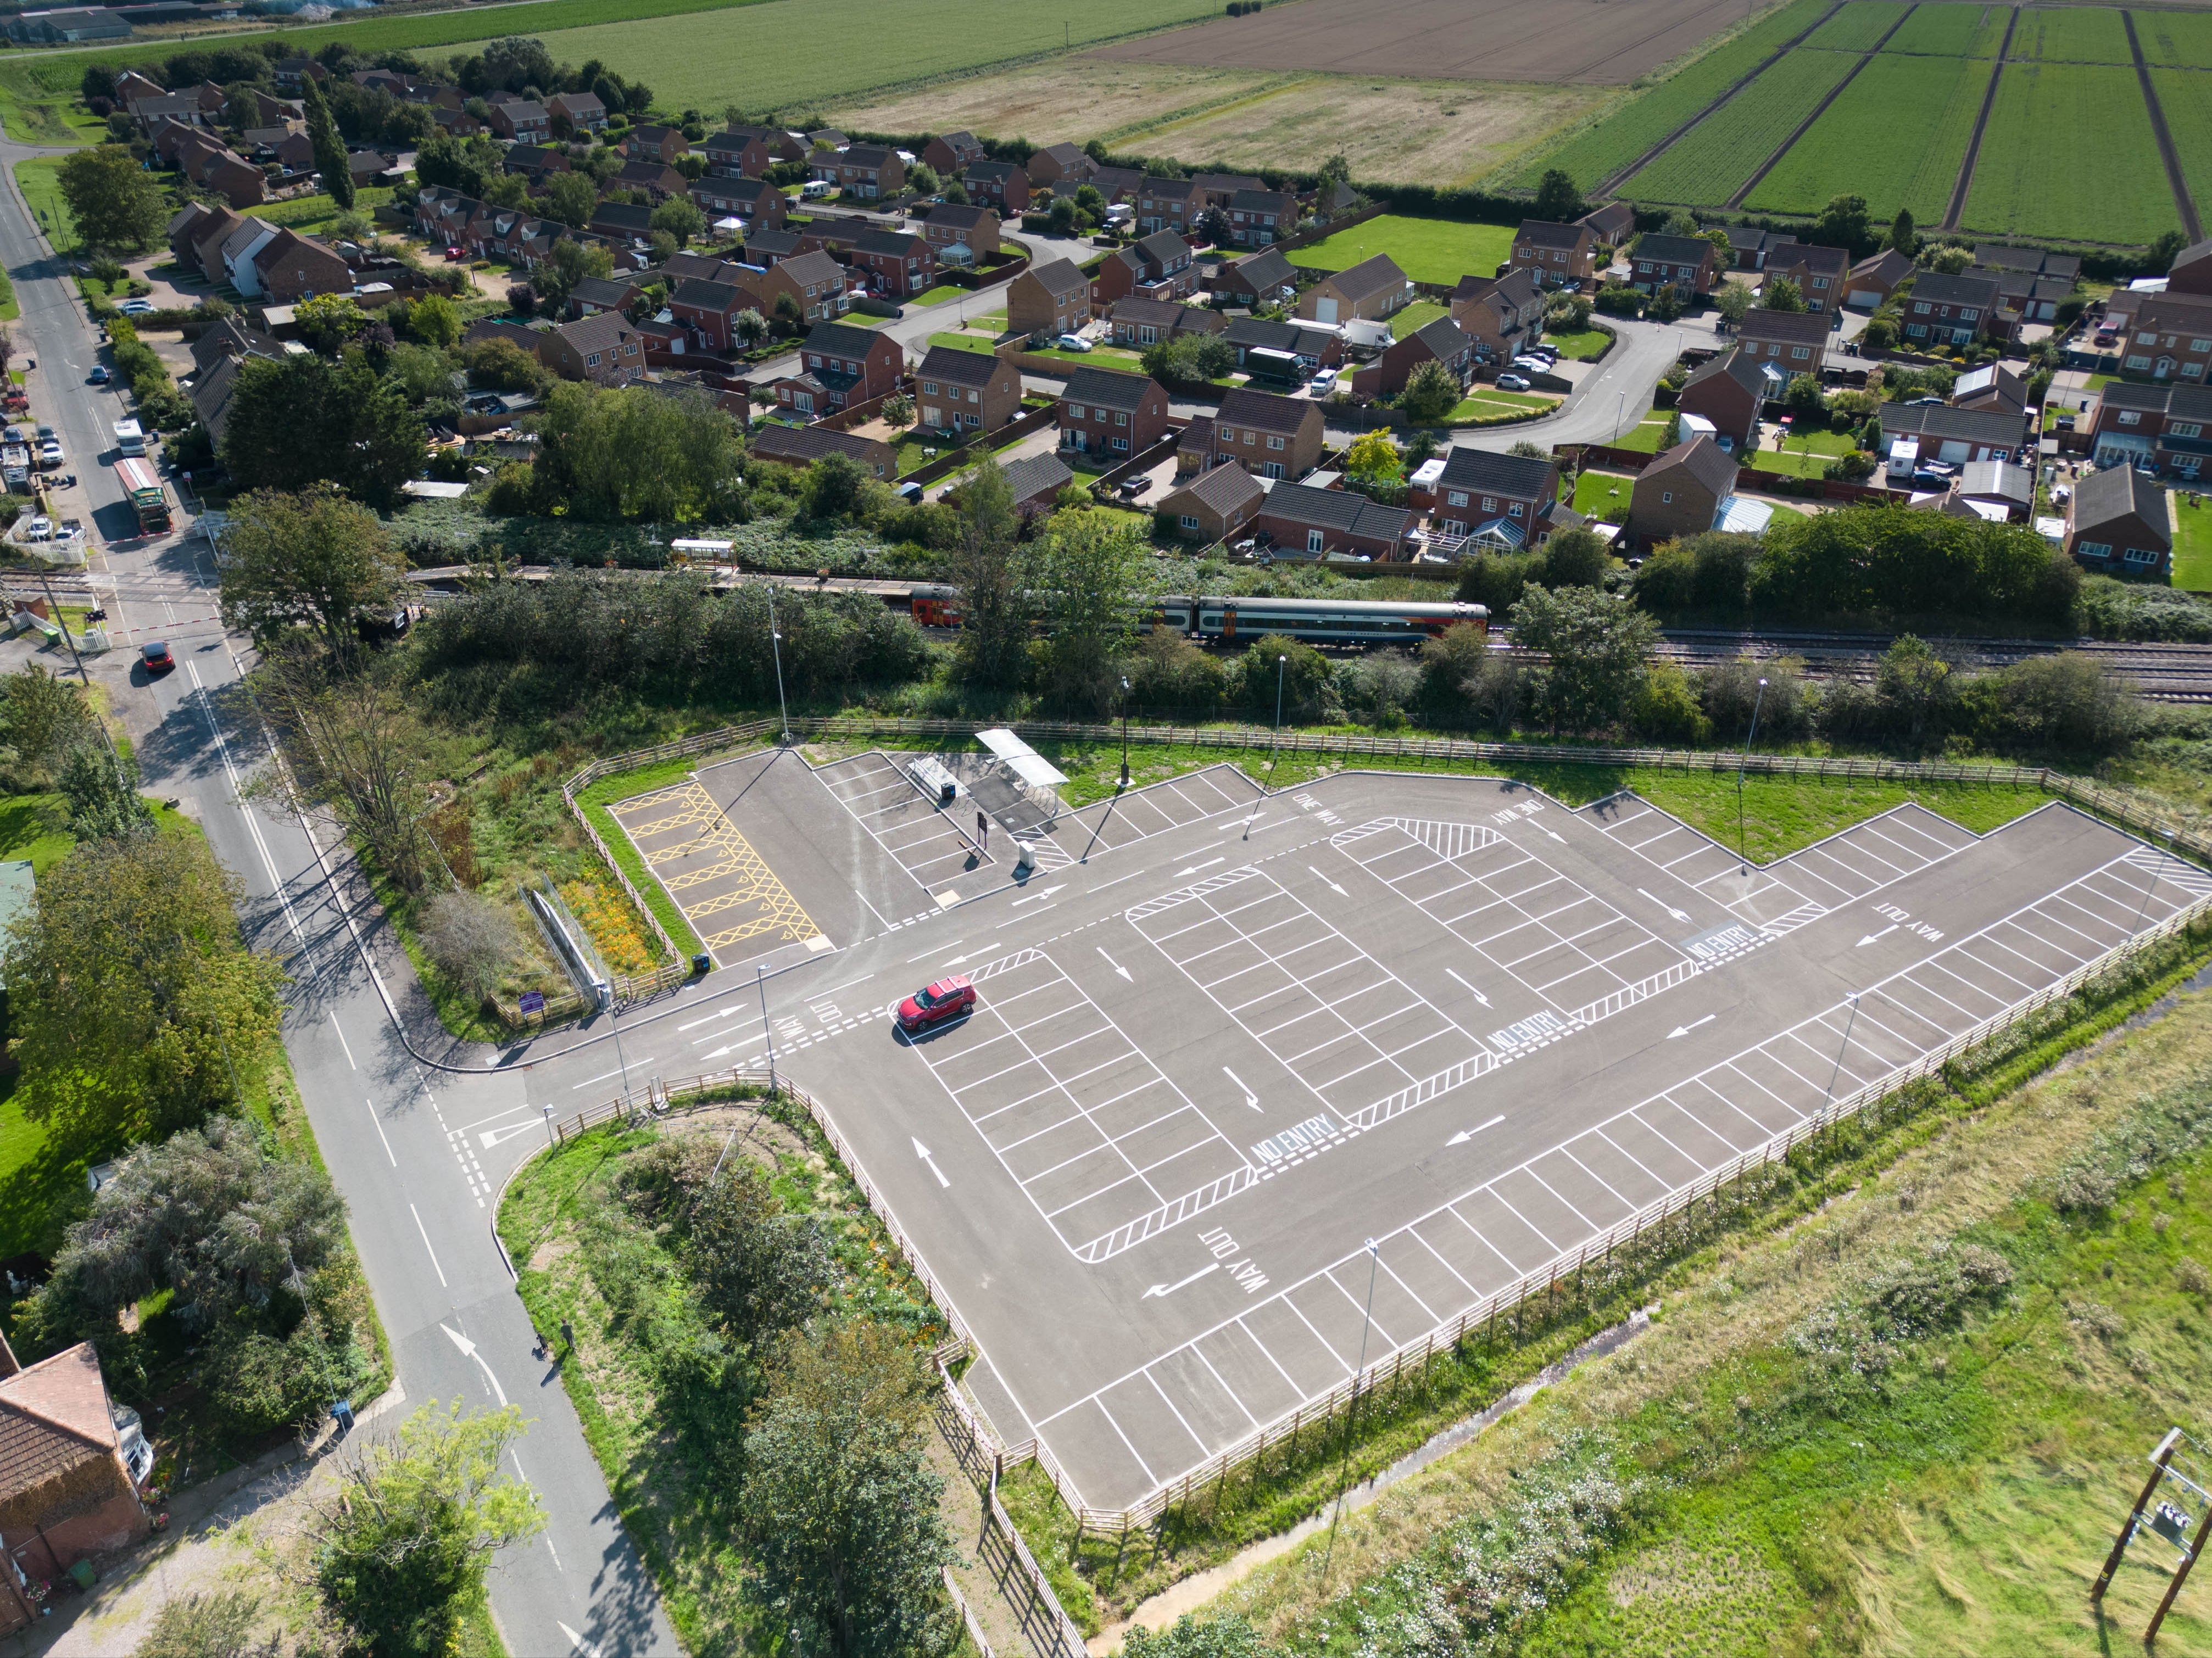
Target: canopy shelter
{"x":710,"y":552}
{"x":1036,"y":780}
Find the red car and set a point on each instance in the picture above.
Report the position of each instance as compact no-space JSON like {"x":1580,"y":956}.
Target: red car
{"x":156,"y":658}
{"x":948,"y":999}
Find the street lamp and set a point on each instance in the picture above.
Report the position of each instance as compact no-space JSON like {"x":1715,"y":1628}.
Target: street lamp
{"x":1749,"y":737}
{"x":775,"y":644}
{"x":760,"y":984}
{"x":1125,"y":730}
{"x":1829,"y":1093}
{"x":1374,"y":1260}
{"x":1281,"y":662}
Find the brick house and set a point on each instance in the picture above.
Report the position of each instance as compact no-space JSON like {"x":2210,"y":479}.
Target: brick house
{"x":847,"y":364}
{"x":208,"y":238}
{"x":1157,"y":268}
{"x":899,"y":263}
{"x":604,"y":349}
{"x":582,"y":111}
{"x":2120,"y":521}
{"x":1036,"y":482}
{"x":1373,"y":289}
{"x":1438,"y":341}
{"x":1061,"y":165}
{"x":1556,"y":255}
{"x":1872,"y":281}
{"x":768,"y":244}
{"x":1820,"y":273}
{"x":754,"y":200}
{"x":1117,"y":184}
{"x":976,"y":228}
{"x":1955,"y":435}
{"x":178,"y":107}
{"x":867,"y":171}
{"x":624,"y":223}
{"x":1049,"y":299}
{"x":961,"y":390}
{"x":1169,"y":204}
{"x":1680,"y":492}
{"x":1140,"y":323}
{"x":739,"y":153}
{"x":523,"y":119}
{"x":596,"y":294}
{"x":2171,"y":337}
{"x":802,"y":446}
{"x":1257,"y":279}
{"x":1315,"y":348}
{"x":1105,"y":413}
{"x":1271,"y":437}
{"x":1749,"y":245}
{"x":654,"y":143}
{"x":1502,"y":315}
{"x":1220,"y":189}
{"x":2191,"y":271}
{"x":292,"y":72}
{"x":1612,"y":224}
{"x":1730,"y":391}
{"x":1214,"y":505}
{"x":656,"y":178}
{"x":814,"y":282}
{"x":708,"y":310}
{"x":532,"y":163}
{"x":1000,"y":184}
{"x":1794,"y":341}
{"x":1301,"y":521}
{"x":1258,"y":217}
{"x":2025,"y":296}
{"x":66,"y":1490}
{"x":289,"y":268}
{"x":2167,"y":426}
{"x":951,"y":154}
{"x":1991,"y":386}
{"x":1502,"y":501}
{"x":1951,"y":310}
{"x":1684,"y":264}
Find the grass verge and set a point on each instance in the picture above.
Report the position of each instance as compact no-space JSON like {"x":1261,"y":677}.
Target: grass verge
{"x":603,"y":794}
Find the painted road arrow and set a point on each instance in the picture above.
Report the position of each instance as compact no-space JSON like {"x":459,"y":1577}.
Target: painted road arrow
{"x":1034,"y":896}
{"x":1250,"y":1098}
{"x":1330,"y":885}
{"x":1169,"y":1288}
{"x":1478,"y":995}
{"x":1684,"y":1030}
{"x":1467,"y":1134}
{"x":1115,"y":965}
{"x":578,"y":1641}
{"x":922,"y":1152}
{"x":1679,"y":915}
{"x":1884,"y":933}
{"x":469,"y":1348}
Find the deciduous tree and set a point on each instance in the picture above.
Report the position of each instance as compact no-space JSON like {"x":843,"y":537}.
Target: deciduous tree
{"x":1598,"y":648}
{"x":113,"y":201}
{"x":298,"y":420}
{"x":1844,"y":224}
{"x":315,"y":560}
{"x":571,"y":198}
{"x":1559,"y":200}
{"x":1094,"y":573}
{"x":994,"y":624}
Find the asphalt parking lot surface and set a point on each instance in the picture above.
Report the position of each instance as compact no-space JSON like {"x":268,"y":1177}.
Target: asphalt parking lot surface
{"x":1223,"y":1040}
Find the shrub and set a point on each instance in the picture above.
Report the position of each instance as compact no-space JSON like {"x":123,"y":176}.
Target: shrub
{"x":472,"y":940}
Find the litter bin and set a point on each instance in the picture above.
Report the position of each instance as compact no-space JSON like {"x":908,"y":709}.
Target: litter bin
{"x":701,"y":964}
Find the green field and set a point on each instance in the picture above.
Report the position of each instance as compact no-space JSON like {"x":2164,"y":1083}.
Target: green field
{"x":1856,"y":26}
{"x":2072,"y":35}
{"x":1603,"y":149}
{"x":2192,"y":546}
{"x":1896,"y":136}
{"x":1711,"y":162}
{"x":1952,"y":28}
{"x":2068,"y":154}
{"x":42,"y":191}
{"x":2176,"y":37}
{"x":1427,"y":250}
{"x":2185,"y":95}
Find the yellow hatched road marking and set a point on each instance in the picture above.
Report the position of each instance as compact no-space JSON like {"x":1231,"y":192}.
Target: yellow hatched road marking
{"x":753,"y":883}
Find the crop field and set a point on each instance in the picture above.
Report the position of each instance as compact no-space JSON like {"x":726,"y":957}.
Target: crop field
{"x":2185,"y":95}
{"x":2068,"y":154}
{"x":2072,"y":35}
{"x":1712,"y":160}
{"x":1856,"y":26}
{"x":2183,"y":37}
{"x":1896,"y":136}
{"x":1618,"y":137}
{"x":1952,"y":28}
{"x":1427,"y":250}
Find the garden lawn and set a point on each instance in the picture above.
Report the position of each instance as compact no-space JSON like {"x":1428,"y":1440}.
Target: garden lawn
{"x":1427,"y":250}
{"x":1585,"y":347}
{"x":311,"y":214}
{"x":2192,"y":546}
{"x":974,"y":342}
{"x":1707,"y":164}
{"x":1096,"y":357}
{"x":1896,"y":136}
{"x":2068,"y":154}
{"x":1594,"y":495}
{"x":1647,"y":435}
{"x":40,"y":180}
{"x":938,"y":295}
{"x":1418,"y":315}
{"x":1487,"y":407}
{"x":1806,"y":456}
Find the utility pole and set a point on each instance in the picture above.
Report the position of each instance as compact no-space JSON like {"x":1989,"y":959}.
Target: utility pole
{"x":1751,"y":736}
{"x":1344,"y":1467}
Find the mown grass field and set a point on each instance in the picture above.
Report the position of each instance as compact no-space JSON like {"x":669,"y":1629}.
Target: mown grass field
{"x":2071,"y":34}
{"x":39,"y":178}
{"x":1427,"y":250}
{"x":1951,"y":28}
{"x":2185,"y":95}
{"x":1896,"y":136}
{"x":2192,"y":547}
{"x":2175,"y":37}
{"x":1710,"y":162}
{"x":2068,"y":154}
{"x":1617,"y":138}
{"x":1856,"y":26}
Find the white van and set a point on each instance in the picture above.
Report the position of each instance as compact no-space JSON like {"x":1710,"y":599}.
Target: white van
{"x":814,"y":190}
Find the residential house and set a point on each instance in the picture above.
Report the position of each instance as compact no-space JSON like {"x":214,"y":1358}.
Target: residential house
{"x":964,"y":391}
{"x":1300,"y":520}
{"x":237,"y":255}
{"x":816,"y":283}
{"x":1194,"y":446}
{"x":2167,"y":426}
{"x":1794,"y":341}
{"x":1682,"y":492}
{"x":1061,"y":165}
{"x":269,"y":112}
{"x":1872,"y":281}
{"x":2120,"y":522}
{"x":453,"y":123}
{"x":1220,"y":189}
{"x":1258,"y":279}
{"x":596,"y":294}
{"x":1331,"y":199}
{"x":1820,"y":273}
{"x":2036,"y":261}
{"x":1997,"y":490}
{"x":755,"y":201}
{"x":976,"y":230}
{"x":1269,"y":436}
{"x":131,"y":86}
{"x":1213,"y":506}
{"x":533,"y":162}
{"x":1438,"y":341}
{"x":768,"y":244}
{"x":67,"y":1485}
{"x":622,"y":223}
{"x":1501,"y":501}
{"x":866,"y":171}
{"x":213,"y":101}
{"x":998,"y":185}
{"x":208,"y":239}
{"x":604,"y":350}
{"x":656,"y":178}
{"x":522,"y":119}
{"x":1157,"y":268}
{"x":289,"y":268}
{"x":1556,"y":255}
{"x":739,"y":153}
{"x":1748,"y":246}
{"x":802,"y":446}
{"x":1314,"y":347}
{"x":230,"y":175}
{"x":1684,"y":264}
{"x":1370,"y":290}
{"x":1113,"y":415}
{"x":1049,"y":299}
{"x":647,"y":143}
{"x":583,"y":111}
{"x":2171,"y":337}
{"x":1259,"y":217}
{"x":1955,"y":435}
{"x":1612,"y":224}
{"x":952,"y":153}
{"x":2024,"y":296}
{"x":1168,"y":204}
{"x":1117,"y":184}
{"x":708,"y":310}
{"x":186,"y":225}
{"x":1731,"y":390}
{"x":841,"y":364}
{"x":293,"y":73}
{"x":1035,"y":482}
{"x":1140,"y":323}
{"x":1502,"y":315}
{"x":900,"y":264}
{"x":1991,"y":386}
{"x":1951,"y":310}
{"x":178,"y":107}
{"x":827,"y":138}
{"x":2191,"y":271}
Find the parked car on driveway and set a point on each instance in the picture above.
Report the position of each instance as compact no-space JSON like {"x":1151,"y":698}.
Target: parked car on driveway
{"x":42,"y":529}
{"x":1323,"y":382}
{"x":948,"y":999}
{"x":1512,"y":383}
{"x":136,"y":308}
{"x":1073,"y":343}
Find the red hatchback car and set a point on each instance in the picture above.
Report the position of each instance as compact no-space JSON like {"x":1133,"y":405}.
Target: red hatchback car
{"x":948,"y":999}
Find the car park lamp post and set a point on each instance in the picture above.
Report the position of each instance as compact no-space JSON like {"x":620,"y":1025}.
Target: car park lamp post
{"x":1829,"y":1093}
{"x":1281,"y":663}
{"x":1125,"y":730}
{"x":1750,"y":737}
{"x":775,"y":644}
{"x":2143,"y":908}
{"x":1374,"y":1260}
{"x":760,"y":983}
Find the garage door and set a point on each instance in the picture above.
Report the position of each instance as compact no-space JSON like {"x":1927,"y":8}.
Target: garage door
{"x":1865,"y":296}
{"x":1956,"y":451}
{"x":1324,"y":310}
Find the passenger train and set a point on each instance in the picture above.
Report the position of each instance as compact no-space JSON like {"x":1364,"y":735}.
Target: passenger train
{"x":1317,"y":621}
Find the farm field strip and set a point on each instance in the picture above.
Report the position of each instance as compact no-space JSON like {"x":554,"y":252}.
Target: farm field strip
{"x":1952,"y":28}
{"x":1617,"y":139}
{"x":2072,"y":35}
{"x":1856,"y":26}
{"x":2180,"y":37}
{"x":2068,"y":154}
{"x":1708,"y":163}
{"x":2185,"y":95}
{"x":1896,"y":136}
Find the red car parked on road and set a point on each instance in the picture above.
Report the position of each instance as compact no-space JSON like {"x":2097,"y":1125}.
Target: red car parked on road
{"x":948,"y":999}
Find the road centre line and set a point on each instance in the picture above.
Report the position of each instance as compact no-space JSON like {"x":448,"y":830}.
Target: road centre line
{"x":378,"y":1121}
{"x":342,"y":1043}
{"x":427,"y":1249}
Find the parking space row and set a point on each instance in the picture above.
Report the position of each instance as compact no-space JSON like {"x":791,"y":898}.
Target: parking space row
{"x":923,"y":840}
{"x":1156,"y":808}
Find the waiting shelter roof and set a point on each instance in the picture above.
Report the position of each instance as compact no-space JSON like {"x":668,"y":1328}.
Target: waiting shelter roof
{"x":1019,"y":758}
